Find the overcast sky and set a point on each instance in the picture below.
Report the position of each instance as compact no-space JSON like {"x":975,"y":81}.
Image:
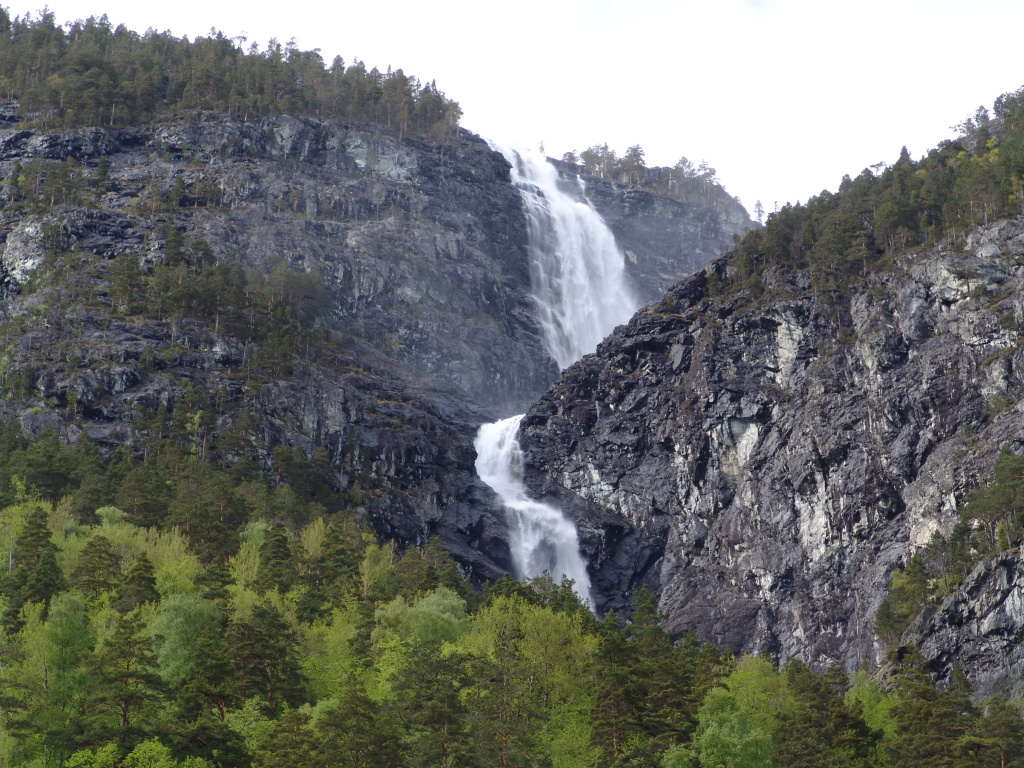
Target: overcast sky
{"x":782,"y":97}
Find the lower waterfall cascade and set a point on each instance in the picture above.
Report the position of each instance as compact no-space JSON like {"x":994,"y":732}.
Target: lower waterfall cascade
{"x":578,"y":282}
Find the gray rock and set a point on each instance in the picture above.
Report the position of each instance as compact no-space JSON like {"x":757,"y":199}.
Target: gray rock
{"x":980,"y":627}
{"x":664,"y":239}
{"x":23,"y":250}
{"x":774,"y":461}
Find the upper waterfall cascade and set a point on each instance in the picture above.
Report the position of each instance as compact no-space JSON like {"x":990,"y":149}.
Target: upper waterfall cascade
{"x":577,"y":277}
{"x":577,"y":272}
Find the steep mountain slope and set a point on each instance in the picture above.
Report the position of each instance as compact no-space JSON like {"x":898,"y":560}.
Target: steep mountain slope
{"x":302,"y":282}
{"x":766,"y":463}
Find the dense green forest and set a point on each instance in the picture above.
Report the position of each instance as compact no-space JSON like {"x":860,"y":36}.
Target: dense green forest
{"x":848,"y":235}
{"x":90,"y":73}
{"x":168,"y":612}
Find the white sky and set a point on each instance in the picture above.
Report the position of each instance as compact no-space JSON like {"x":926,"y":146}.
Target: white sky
{"x":781,"y":96}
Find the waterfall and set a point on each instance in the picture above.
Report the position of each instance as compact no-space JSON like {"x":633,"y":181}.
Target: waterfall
{"x":542,"y":539}
{"x":577,"y":278}
{"x":577,"y":273}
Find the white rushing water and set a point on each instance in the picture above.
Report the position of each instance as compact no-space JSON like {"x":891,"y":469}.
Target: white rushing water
{"x":542,"y":539}
{"x":577,"y":276}
{"x":577,"y":272}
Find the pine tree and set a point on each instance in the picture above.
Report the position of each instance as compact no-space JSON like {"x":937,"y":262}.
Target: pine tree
{"x":817,"y":729}
{"x":143,"y":495}
{"x":214,"y":580}
{"x":265,"y":652}
{"x":36,"y":577}
{"x":445,"y":567}
{"x":277,"y":567}
{"x":615,"y":717}
{"x":123,"y":683}
{"x":929,"y":722}
{"x":500,"y":703}
{"x":207,"y":511}
{"x":291,"y":744}
{"x":415,"y":576}
{"x":997,"y":739}
{"x":433,"y":713}
{"x":210,"y":685}
{"x":332,"y":574}
{"x":98,"y":569}
{"x":356,"y":733}
{"x":138,"y":587}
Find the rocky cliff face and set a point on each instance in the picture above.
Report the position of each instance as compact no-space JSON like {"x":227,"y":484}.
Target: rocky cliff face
{"x":980,"y":627}
{"x":765,"y":464}
{"x":420,"y":246}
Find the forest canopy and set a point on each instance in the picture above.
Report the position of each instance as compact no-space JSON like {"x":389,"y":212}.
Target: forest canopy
{"x":969,"y":181}
{"x":91,"y":73}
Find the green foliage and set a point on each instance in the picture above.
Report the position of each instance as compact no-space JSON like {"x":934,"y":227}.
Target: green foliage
{"x":819,"y":729}
{"x":277,"y":567}
{"x":683,"y":181}
{"x":311,"y":644}
{"x":34,"y":576}
{"x":908,"y":594}
{"x":991,"y":521}
{"x":930,"y":723}
{"x":264,"y":649}
{"x":730,"y":736}
{"x":91,"y":73}
{"x":138,"y":587}
{"x":648,"y":692}
{"x":995,"y":511}
{"x":998,"y":738}
{"x":844,"y":237}
{"x":98,"y":568}
{"x":124,"y":688}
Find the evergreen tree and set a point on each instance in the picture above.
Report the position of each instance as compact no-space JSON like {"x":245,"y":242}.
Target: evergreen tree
{"x":663,"y":676}
{"x":277,"y":568}
{"x":210,"y":685}
{"x":35,"y":575}
{"x":98,"y":569}
{"x":206,"y":509}
{"x":930,"y":723}
{"x":291,"y":744}
{"x":357,"y":733}
{"x":818,"y":729}
{"x":615,"y":718}
{"x":123,"y":683}
{"x":138,"y":587}
{"x":143,"y":495}
{"x":445,"y":568}
{"x":500,"y":703}
{"x":265,"y":652}
{"x":214,"y":581}
{"x":998,"y":737}
{"x":433,"y":713}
